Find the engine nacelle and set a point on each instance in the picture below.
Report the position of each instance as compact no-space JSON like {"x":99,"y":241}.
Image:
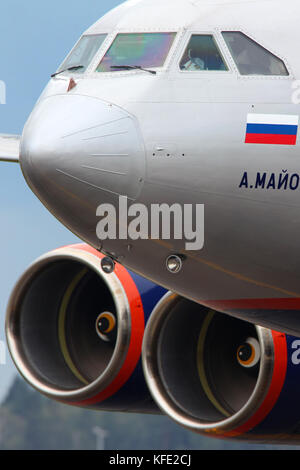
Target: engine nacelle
{"x":75,"y":333}
{"x":221,"y":376}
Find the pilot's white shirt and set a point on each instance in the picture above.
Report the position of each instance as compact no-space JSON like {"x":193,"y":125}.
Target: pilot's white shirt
{"x":194,"y":64}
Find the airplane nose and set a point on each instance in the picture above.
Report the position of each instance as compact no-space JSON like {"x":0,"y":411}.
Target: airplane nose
{"x":78,"y":152}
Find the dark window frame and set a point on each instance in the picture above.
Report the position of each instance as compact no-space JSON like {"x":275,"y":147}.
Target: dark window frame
{"x":261,"y":47}
{"x":119,"y":33}
{"x":219,"y":49}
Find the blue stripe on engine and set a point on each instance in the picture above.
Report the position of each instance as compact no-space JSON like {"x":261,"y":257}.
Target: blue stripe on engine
{"x":283,"y":419}
{"x":272,"y":129}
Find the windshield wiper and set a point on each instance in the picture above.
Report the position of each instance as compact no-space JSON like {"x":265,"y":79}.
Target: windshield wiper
{"x":132,"y":67}
{"x":69,"y":69}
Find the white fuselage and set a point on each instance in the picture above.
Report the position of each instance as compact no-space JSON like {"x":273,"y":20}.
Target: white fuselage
{"x":179,"y":137}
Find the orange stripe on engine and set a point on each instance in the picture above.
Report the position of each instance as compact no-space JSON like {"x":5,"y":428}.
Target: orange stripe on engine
{"x":137,"y":332}
{"x":278,"y":378}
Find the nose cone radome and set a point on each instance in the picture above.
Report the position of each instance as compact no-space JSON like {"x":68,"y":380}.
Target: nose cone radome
{"x":78,"y":152}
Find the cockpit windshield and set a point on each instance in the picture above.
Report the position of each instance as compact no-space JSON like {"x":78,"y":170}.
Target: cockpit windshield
{"x":146,"y":50}
{"x":83,"y":53}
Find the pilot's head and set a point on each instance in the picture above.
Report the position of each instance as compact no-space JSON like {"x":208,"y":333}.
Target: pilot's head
{"x":237,"y":45}
{"x":191,"y":54}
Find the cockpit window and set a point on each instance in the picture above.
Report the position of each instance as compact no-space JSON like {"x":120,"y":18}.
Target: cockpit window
{"x":83,"y":53}
{"x":139,"y":49}
{"x":251,"y":58}
{"x":202,"y":53}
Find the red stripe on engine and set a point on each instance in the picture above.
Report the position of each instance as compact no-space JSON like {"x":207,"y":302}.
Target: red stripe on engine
{"x":278,"y":378}
{"x":276,"y":139}
{"x":137,"y":332}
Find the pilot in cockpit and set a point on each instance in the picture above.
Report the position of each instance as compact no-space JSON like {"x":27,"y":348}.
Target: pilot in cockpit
{"x":194,"y":62}
{"x":249,"y":57}
{"x":202,"y":56}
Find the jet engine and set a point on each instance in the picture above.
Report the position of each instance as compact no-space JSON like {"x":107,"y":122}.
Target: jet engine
{"x":220,"y":376}
{"x":75,"y":333}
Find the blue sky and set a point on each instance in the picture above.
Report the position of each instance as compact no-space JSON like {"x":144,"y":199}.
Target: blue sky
{"x":35,"y":37}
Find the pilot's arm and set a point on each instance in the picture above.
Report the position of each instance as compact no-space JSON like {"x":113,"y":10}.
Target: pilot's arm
{"x":194,"y":63}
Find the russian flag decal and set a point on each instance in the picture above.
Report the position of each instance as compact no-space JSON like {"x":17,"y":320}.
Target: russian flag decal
{"x":277,"y":129}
